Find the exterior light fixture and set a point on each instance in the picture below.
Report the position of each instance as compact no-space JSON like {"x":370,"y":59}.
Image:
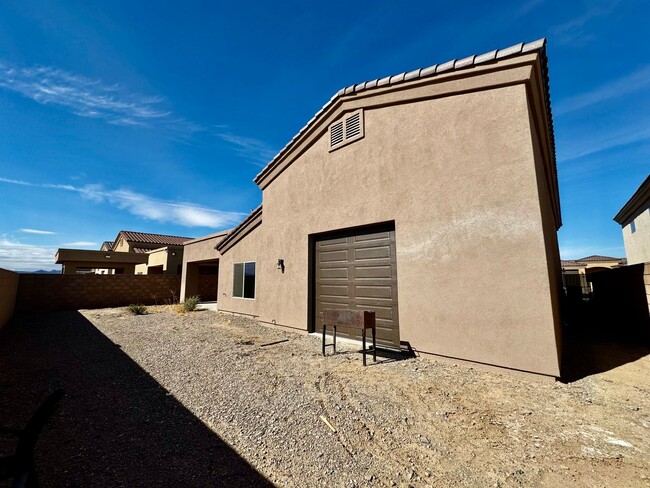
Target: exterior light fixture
{"x":280,"y":265}
{"x":108,"y":256}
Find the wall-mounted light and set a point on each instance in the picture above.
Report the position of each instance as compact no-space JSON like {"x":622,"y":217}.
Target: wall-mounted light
{"x":280,"y":265}
{"x":108,"y":256}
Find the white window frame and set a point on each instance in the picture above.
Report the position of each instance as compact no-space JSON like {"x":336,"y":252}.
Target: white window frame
{"x":244,"y":263}
{"x":344,"y":120}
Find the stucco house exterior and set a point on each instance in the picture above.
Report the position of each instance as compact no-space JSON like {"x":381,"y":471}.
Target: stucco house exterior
{"x":130,"y":253}
{"x":397,"y":196}
{"x":634,"y":219}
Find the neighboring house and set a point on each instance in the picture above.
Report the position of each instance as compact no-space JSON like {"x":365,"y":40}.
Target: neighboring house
{"x":634,"y":219}
{"x":397,"y":196}
{"x":575,"y":272}
{"x":106,"y":246}
{"x":130,"y":252}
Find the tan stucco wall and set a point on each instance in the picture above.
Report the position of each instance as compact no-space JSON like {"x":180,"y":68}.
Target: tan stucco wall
{"x":8,"y":289}
{"x":637,"y":245}
{"x":458,"y":176}
{"x":198,"y":250}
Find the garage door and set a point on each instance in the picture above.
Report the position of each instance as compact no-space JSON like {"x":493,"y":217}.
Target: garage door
{"x":359,"y":272}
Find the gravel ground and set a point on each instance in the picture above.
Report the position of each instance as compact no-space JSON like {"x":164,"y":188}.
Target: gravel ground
{"x":197,"y":399}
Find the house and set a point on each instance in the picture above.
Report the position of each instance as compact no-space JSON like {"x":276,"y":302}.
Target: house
{"x":396,"y":197}
{"x":200,"y":274}
{"x":130,"y":253}
{"x":634,"y":219}
{"x":576,"y":273}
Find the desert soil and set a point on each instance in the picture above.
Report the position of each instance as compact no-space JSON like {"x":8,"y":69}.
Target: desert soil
{"x":413,"y":422}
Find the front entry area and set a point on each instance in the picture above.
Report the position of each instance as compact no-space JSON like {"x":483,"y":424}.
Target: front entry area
{"x":357,"y":269}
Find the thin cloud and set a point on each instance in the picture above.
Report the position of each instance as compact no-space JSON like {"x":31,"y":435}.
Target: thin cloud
{"x":631,"y":83}
{"x":575,"y":30}
{"x":36,"y":231}
{"x":146,"y":207}
{"x":248,"y":148}
{"x":598,"y":144}
{"x":89,"y":98}
{"x":80,"y":244}
{"x":24,"y":257}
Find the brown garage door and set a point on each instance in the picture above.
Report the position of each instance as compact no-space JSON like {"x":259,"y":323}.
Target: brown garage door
{"x":359,"y":272}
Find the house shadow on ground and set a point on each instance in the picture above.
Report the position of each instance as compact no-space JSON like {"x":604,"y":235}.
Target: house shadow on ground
{"x":116,"y":425}
{"x":595,"y":340}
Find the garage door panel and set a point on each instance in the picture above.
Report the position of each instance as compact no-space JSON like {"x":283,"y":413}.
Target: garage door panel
{"x":365,"y":253}
{"x":334,"y":256}
{"x":365,"y":291}
{"x":366,"y":264}
{"x":378,"y":236}
{"x":370,"y":272}
{"x":335,"y":273}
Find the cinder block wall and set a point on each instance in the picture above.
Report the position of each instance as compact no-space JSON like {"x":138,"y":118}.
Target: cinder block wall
{"x":8,"y":289}
{"x":71,"y":292}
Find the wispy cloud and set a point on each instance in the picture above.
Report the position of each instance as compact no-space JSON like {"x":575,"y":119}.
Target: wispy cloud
{"x":575,"y":30}
{"x":248,"y":148}
{"x":631,"y":83}
{"x":36,"y":231}
{"x":88,"y":97}
{"x":24,"y":257}
{"x":146,"y":207}
{"x":619,"y":138}
{"x":80,"y":244}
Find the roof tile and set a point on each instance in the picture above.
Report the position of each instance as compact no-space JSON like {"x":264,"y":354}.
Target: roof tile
{"x":484,"y":58}
{"x":449,"y":65}
{"x":160,"y":239}
{"x":383,"y":81}
{"x":411,"y":75}
{"x":463,"y":63}
{"x":509,"y":51}
{"x":431,"y":70}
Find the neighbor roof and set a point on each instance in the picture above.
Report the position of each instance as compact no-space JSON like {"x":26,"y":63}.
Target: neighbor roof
{"x":107,"y":246}
{"x":635,"y":205}
{"x":447,"y":67}
{"x":570,"y":262}
{"x":597,"y":258}
{"x":161,"y":239}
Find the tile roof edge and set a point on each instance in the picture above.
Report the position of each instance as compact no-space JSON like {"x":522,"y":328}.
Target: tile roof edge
{"x":237,"y":229}
{"x":538,"y":45}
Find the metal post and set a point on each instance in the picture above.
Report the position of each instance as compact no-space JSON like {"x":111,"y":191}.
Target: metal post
{"x":374,"y":344}
{"x":324,"y":327}
{"x":334,"y":346}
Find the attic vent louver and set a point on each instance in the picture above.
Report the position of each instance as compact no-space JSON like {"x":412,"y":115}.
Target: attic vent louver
{"x":347,"y":130}
{"x":336,"y":134}
{"x":353,"y":126}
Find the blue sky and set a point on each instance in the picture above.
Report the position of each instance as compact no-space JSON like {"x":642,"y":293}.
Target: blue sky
{"x":156,"y":116}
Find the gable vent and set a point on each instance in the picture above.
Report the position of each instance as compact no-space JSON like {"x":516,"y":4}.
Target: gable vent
{"x":336,"y":134}
{"x":353,"y":126}
{"x":347,"y":130}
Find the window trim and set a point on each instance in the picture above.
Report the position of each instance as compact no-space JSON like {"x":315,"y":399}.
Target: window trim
{"x":344,"y":121}
{"x":244,"y":263}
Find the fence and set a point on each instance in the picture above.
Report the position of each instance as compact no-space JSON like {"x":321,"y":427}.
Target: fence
{"x":75,"y":291}
{"x":8,"y":289}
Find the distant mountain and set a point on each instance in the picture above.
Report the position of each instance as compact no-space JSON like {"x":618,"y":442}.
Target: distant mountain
{"x":40,"y":271}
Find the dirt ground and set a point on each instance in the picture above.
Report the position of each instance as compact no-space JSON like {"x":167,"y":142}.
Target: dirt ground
{"x":256,"y":408}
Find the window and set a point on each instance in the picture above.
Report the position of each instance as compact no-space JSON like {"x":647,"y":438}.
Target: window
{"x":243,"y":285}
{"x":632,"y":227}
{"x":347,"y":130}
